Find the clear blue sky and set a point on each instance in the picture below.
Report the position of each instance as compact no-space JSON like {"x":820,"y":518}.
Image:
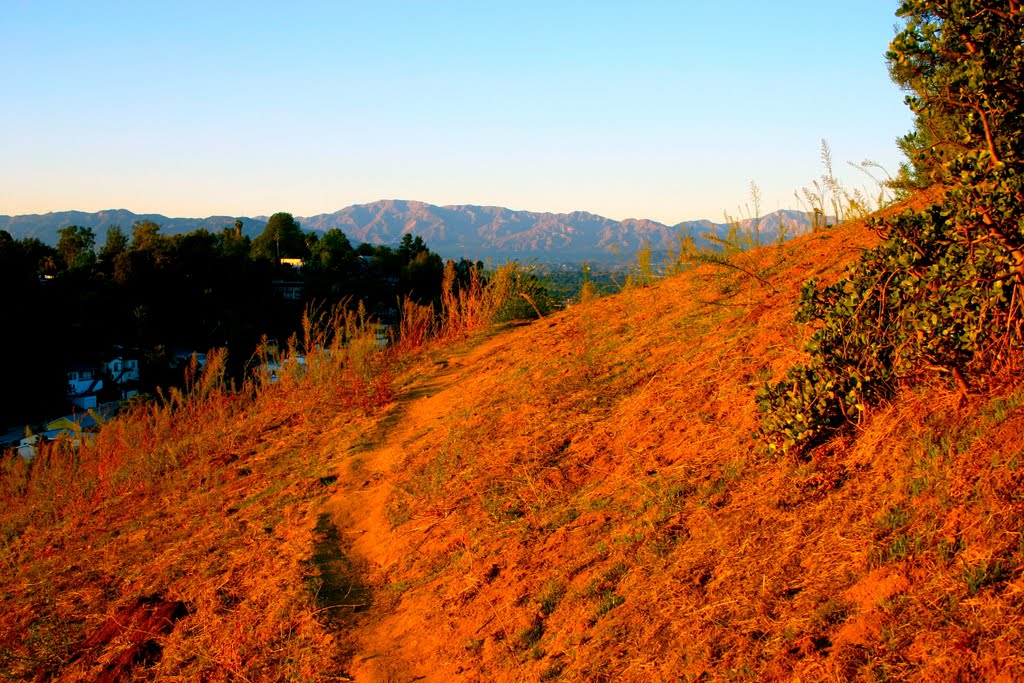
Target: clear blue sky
{"x":663,"y":110}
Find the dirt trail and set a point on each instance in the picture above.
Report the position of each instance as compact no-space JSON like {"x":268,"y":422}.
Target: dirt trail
{"x":387,"y":645}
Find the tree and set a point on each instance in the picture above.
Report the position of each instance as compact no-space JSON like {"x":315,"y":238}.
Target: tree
{"x":195,"y":252}
{"x":146,"y":235}
{"x":334,"y":253}
{"x":37,"y":371}
{"x":15,"y":269}
{"x":281,"y":238}
{"x":963,"y":61}
{"x":39,"y":258}
{"x":76,"y":247}
{"x":116,"y":243}
{"x":962,"y":64}
{"x":410,"y":247}
{"x":233,"y":244}
{"x":423,"y":273}
{"x":944,"y":291}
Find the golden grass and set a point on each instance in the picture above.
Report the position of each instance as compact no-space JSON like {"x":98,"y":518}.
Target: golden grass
{"x":609,"y":452}
{"x":582,"y":498}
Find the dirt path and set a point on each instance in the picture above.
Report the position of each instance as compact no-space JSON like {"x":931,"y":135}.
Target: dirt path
{"x":387,"y":645}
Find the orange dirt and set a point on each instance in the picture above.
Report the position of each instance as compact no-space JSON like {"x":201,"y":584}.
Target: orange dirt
{"x":393,"y":646}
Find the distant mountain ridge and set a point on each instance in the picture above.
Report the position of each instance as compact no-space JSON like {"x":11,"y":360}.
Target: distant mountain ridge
{"x":476,"y":232}
{"x":44,"y":226}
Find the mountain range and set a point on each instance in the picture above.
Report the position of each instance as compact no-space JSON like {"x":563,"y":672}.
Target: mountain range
{"x":476,"y":232}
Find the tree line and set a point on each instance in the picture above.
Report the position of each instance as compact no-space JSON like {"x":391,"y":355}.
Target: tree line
{"x":154,"y":293}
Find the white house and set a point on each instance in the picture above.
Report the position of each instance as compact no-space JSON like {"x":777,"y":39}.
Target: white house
{"x":122,"y":370}
{"x":82,"y":379}
{"x":84,"y":382}
{"x":27,"y":447}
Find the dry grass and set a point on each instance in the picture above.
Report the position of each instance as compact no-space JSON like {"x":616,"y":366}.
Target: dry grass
{"x":211,"y":498}
{"x":606,"y":457}
{"x":577,"y":499}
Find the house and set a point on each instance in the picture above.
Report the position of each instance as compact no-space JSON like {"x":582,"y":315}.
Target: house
{"x":123,"y":373}
{"x":27,"y":447}
{"x":84,"y":383}
{"x":122,"y":370}
{"x":68,"y":427}
{"x":73,"y":427}
{"x":82,"y":379}
{"x":73,"y":422}
{"x":293,"y":262}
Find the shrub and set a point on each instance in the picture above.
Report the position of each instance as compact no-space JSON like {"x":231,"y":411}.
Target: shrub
{"x":928,"y":299}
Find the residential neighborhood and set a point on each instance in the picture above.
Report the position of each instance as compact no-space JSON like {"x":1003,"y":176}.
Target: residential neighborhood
{"x":95,"y":392}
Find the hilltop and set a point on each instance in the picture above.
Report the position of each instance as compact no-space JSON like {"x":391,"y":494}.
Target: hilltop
{"x":475,"y":232}
{"x":577,"y":498}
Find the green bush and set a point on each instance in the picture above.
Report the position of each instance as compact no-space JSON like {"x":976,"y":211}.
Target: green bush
{"x":934,"y":297}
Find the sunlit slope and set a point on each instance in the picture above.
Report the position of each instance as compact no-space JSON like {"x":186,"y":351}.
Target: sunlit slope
{"x":589,"y":503}
{"x":580,"y":498}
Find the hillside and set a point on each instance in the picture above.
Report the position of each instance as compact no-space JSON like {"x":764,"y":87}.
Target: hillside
{"x":579,"y":498}
{"x":476,"y":232}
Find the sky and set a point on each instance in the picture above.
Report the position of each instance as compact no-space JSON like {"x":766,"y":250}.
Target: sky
{"x":660,"y":110}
